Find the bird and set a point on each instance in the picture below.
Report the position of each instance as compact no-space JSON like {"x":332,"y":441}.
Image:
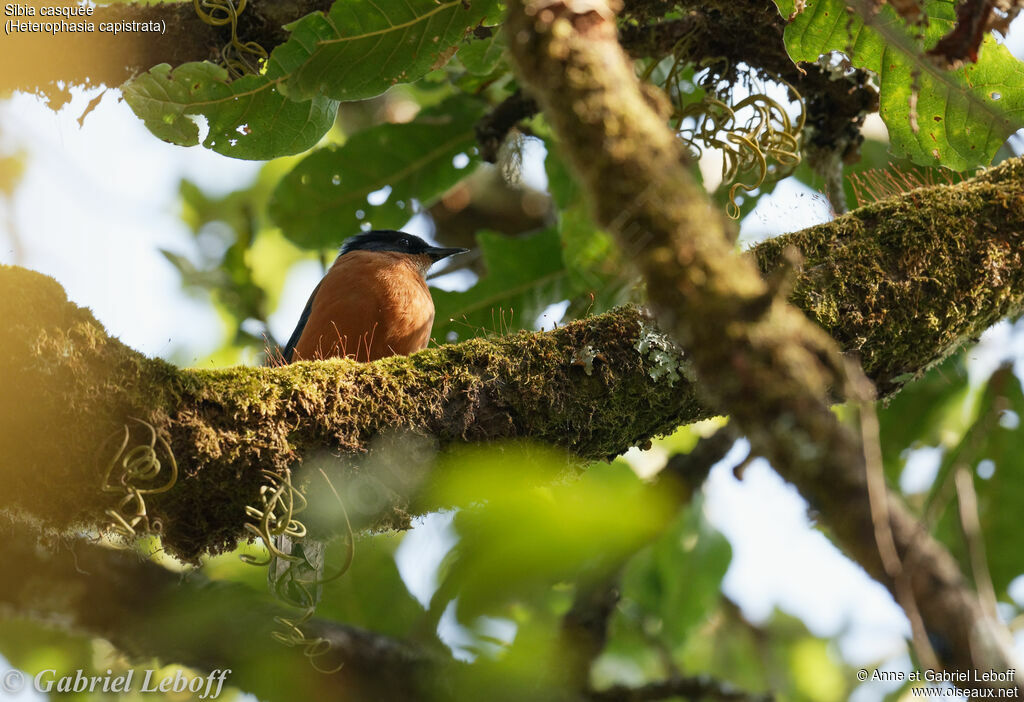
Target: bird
{"x":373,"y":302}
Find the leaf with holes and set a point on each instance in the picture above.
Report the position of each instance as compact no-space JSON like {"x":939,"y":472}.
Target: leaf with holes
{"x":964,"y":116}
{"x":372,"y":179}
{"x":524,"y":276}
{"x":248,"y":118}
{"x":363,"y":47}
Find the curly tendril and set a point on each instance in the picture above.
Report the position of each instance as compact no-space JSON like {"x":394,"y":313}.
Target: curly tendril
{"x":139,"y":464}
{"x":239,"y":58}
{"x":280,"y":501}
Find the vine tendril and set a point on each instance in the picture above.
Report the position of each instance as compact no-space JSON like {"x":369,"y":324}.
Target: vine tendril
{"x":239,"y":58}
{"x":280,"y":501}
{"x":140,"y":463}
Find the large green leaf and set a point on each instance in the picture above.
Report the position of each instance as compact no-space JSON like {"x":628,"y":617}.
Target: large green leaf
{"x":964,"y":115}
{"x":517,"y":540}
{"x":358,"y":50}
{"x":324,"y":198}
{"x":248,"y":118}
{"x":524,"y":275}
{"x":363,"y":47}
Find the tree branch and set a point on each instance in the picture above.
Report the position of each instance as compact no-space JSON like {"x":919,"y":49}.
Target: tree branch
{"x":757,"y":357}
{"x":902,"y":283}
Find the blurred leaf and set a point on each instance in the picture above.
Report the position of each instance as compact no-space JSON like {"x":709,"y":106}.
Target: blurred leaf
{"x":597,"y":278}
{"x":517,"y":540}
{"x":224,"y":251}
{"x":324,"y":199}
{"x":997,"y":437}
{"x":816,"y":674}
{"x":482,"y":56}
{"x":964,"y":115}
{"x":524,"y":275}
{"x":924,"y":413}
{"x":363,"y":47}
{"x":592,"y":261}
{"x":371,"y":594}
{"x":249,"y":118}
{"x":33,"y":646}
{"x":677,"y":581}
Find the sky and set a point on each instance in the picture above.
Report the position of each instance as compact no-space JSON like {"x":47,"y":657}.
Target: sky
{"x":97,"y":201}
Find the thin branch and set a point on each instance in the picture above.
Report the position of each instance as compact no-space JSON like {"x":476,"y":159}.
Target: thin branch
{"x":496,"y":124}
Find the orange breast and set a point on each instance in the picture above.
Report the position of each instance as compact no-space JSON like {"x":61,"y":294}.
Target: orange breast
{"x":371,"y":304}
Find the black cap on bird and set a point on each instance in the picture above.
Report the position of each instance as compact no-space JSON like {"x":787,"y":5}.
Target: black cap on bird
{"x":399,"y":242}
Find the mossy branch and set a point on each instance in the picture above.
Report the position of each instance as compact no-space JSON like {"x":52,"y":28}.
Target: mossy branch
{"x":903,"y":283}
{"x":757,"y":357}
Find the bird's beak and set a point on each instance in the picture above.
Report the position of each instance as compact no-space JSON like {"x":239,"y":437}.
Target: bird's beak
{"x":436,"y":253}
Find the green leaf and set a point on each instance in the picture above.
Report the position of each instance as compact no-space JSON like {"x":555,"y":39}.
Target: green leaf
{"x":677,"y":581}
{"x":596,"y":275}
{"x":997,"y":437}
{"x":482,"y":56}
{"x":249,"y":118}
{"x":363,"y":47}
{"x":517,"y":540}
{"x":324,"y":198}
{"x":524,"y":275}
{"x":371,"y":594}
{"x":964,"y":115}
{"x":565,"y":191}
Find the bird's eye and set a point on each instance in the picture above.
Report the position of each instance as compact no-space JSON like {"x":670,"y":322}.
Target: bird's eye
{"x":404,"y":242}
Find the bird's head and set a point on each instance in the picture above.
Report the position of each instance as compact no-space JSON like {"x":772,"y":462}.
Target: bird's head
{"x":397,"y":242}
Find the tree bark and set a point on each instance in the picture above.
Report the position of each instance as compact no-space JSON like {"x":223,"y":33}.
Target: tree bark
{"x":902,"y":283}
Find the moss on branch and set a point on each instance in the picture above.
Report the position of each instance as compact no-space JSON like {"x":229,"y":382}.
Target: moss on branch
{"x":903,"y":283}
{"x":906,"y":281}
{"x":70,"y":391}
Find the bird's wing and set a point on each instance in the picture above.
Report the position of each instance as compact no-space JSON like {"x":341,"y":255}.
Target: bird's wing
{"x":293,"y":340}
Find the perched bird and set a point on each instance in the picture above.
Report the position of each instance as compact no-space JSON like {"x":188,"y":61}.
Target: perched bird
{"x":373,"y":302}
